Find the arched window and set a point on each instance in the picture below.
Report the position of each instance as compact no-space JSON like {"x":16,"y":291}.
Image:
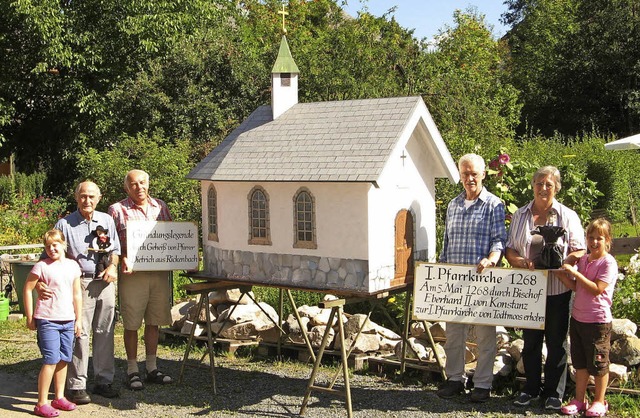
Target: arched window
{"x":304,"y":219}
{"x":212,"y":214}
{"x":259,"y":233}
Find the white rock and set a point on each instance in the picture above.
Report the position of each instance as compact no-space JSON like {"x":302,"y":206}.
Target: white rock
{"x":188,"y":325}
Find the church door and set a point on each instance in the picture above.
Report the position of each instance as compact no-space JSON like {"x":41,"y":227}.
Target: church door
{"x":404,"y":248}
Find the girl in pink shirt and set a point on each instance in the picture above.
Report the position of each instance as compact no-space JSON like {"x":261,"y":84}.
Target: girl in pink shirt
{"x":56,"y":319}
{"x":593,"y":280}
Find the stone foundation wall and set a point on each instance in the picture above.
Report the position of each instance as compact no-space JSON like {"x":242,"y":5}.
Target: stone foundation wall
{"x":287,"y":269}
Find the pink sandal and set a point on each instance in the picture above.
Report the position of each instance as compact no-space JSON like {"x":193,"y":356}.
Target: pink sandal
{"x":598,"y":409}
{"x":574,"y":407}
{"x":63,"y":404}
{"x":46,"y":410}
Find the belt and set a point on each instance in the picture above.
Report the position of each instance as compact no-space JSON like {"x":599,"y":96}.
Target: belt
{"x":88,"y":275}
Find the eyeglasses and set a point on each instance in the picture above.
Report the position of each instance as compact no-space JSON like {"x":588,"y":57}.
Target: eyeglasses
{"x":541,"y":184}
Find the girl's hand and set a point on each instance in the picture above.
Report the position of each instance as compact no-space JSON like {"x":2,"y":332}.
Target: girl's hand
{"x":31,"y":324}
{"x":77,"y":328}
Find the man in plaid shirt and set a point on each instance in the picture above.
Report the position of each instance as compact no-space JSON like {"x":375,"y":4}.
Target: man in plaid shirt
{"x":143,"y":294}
{"x":475,"y":234}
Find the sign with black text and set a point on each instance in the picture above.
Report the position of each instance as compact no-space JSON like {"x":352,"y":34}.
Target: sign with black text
{"x":158,"y":246}
{"x":497,"y":296}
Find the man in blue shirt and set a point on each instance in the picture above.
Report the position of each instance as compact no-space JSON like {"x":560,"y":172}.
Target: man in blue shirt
{"x":98,"y":295}
{"x":475,"y":234}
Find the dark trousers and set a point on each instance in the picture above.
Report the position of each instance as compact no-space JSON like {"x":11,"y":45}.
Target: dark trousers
{"x":555,"y":334}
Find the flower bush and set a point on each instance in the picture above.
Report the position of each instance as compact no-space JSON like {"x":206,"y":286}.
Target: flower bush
{"x":511,"y":181}
{"x":26,"y":219}
{"x":626,"y":297}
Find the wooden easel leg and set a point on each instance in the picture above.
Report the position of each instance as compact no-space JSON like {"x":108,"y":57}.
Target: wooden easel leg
{"x":318,"y":359}
{"x":189,"y":344}
{"x":405,"y":332}
{"x":210,"y":340}
{"x":345,"y":366}
{"x":304,"y":334}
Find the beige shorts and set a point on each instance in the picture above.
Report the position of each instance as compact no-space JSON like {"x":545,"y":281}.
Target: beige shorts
{"x":145,"y":295}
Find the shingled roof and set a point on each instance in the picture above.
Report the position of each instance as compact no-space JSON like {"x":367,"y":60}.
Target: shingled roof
{"x":341,"y":141}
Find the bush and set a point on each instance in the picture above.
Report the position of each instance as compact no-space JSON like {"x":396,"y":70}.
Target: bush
{"x":626,"y":297}
{"x":26,"y":221}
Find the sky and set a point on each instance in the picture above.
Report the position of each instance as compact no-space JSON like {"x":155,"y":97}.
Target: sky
{"x":428,"y":16}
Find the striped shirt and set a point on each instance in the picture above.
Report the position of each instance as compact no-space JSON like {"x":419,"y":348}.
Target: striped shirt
{"x":126,"y":210}
{"x":474,"y":232}
{"x":78,"y":231}
{"x":520,"y":237}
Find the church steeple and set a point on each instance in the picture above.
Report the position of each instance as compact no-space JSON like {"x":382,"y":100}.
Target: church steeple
{"x":284,"y":78}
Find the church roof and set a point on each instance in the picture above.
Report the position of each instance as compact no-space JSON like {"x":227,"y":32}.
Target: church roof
{"x":341,"y":141}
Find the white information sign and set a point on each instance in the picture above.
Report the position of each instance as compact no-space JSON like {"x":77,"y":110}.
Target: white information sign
{"x":497,"y":296}
{"x":158,"y":246}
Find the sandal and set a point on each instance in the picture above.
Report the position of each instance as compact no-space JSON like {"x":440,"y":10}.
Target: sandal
{"x":574,"y":407}
{"x":598,"y":409}
{"x":45,"y":410}
{"x":63,"y":404}
{"x":156,"y":376}
{"x":135,"y":383}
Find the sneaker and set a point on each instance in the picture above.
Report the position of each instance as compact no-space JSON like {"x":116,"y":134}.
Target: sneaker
{"x":79,"y":397}
{"x":106,"y":391}
{"x":553,"y":404}
{"x":525,"y":399}
{"x":480,"y":395}
{"x":450,"y":389}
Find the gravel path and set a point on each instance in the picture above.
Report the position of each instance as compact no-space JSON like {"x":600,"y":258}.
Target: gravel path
{"x":251,"y":388}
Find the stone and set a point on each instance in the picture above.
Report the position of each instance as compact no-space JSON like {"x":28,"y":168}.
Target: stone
{"x":248,"y":313}
{"x":418,"y":330}
{"x":366,"y":341}
{"x":618,"y":375}
{"x":515,"y":349}
{"x":179,"y":314}
{"x":438,"y":330}
{"x":317,"y":333}
{"x":386,"y":333}
{"x":201,"y":316}
{"x":271,"y":335}
{"x":229,"y":296}
{"x":387,"y":345}
{"x":626,"y":351}
{"x":360,"y":322}
{"x":416,"y":349}
{"x":308,"y":311}
{"x":188,"y":325}
{"x":322,"y":318}
{"x":502,"y":337}
{"x":622,"y":328}
{"x":293,"y":326}
{"x":503,"y":364}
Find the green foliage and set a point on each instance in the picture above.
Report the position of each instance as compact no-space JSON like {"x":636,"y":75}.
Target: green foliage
{"x":626,"y":296}
{"x":575,"y":62}
{"x":27,"y":219}
{"x":167,"y":165}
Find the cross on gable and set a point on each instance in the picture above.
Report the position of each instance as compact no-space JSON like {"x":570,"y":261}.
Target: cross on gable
{"x":283,"y":13}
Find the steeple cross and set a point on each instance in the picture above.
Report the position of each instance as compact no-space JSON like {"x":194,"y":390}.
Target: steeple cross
{"x":283,"y":13}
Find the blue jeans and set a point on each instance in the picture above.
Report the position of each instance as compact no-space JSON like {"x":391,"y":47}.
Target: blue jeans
{"x":55,"y":340}
{"x":556,"y":326}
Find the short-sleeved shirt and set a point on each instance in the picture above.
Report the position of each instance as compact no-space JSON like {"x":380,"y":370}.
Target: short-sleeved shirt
{"x":79,"y":234}
{"x":471,"y":233}
{"x":595,"y":309}
{"x":520,"y":237}
{"x":59,"y":277}
{"x":126,"y":210}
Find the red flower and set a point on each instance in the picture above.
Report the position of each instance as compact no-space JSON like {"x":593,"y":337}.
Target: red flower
{"x":504,"y":158}
{"x":493,"y":164}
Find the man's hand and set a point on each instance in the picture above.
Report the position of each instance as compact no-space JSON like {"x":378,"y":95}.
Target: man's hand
{"x":44,"y":291}
{"x":110,"y":274}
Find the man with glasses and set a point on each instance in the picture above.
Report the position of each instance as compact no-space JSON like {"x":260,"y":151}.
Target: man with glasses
{"x":474,"y":234}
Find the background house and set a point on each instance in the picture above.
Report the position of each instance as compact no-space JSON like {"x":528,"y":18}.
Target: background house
{"x":327,"y":195}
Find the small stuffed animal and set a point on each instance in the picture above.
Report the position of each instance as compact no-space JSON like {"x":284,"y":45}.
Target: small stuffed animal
{"x":552,"y":253}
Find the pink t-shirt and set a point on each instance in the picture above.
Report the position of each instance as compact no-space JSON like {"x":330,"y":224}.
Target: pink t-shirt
{"x":595,"y":309}
{"x":59,"y":276}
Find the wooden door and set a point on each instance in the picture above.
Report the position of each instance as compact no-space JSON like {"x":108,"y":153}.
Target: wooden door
{"x":404,"y":248}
